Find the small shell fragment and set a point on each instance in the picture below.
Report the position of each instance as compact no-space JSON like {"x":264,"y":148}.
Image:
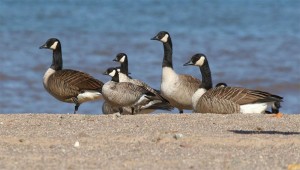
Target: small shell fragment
{"x":76,"y":144}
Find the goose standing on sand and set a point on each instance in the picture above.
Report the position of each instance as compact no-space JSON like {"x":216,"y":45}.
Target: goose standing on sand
{"x":125,"y":94}
{"x":176,"y":88}
{"x":67,"y":85}
{"x":226,"y":100}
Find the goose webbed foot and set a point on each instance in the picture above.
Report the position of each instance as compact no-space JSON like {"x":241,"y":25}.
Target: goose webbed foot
{"x":76,"y":108}
{"x":275,"y":110}
{"x":278,"y":115}
{"x":120,"y":110}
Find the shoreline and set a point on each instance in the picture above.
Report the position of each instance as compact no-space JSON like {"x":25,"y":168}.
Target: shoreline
{"x":154,"y":141}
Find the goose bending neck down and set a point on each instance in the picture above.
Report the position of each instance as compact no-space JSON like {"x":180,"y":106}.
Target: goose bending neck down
{"x":161,"y":104}
{"x":126,"y":94}
{"x":68,"y":85}
{"x":226,"y":100}
{"x":176,"y":88}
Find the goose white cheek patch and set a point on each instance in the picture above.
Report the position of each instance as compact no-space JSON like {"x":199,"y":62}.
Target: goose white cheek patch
{"x":200,"y":62}
{"x":165,"y":38}
{"x":54,"y":45}
{"x":122,"y":59}
{"x":113,"y":73}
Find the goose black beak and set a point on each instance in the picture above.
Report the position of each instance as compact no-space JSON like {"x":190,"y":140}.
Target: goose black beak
{"x":188,"y":63}
{"x":116,"y":60}
{"x":155,"y":38}
{"x":43,"y":46}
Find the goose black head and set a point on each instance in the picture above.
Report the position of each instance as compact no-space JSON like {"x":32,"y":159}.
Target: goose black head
{"x":121,"y":57}
{"x":197,"y":60}
{"x":113,"y":73}
{"x":221,"y":84}
{"x":51,"y":44}
{"x":162,"y":36}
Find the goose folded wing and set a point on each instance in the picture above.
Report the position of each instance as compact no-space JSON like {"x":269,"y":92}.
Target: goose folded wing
{"x":244,"y":96}
{"x":150,"y":89}
{"x":190,"y":81}
{"x":81,"y":80}
{"x":70,"y":83}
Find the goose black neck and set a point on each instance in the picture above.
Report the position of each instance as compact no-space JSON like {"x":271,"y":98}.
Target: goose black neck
{"x":115,"y":78}
{"x":57,"y":62}
{"x":124,"y":67}
{"x":167,"y":62}
{"x":206,"y":76}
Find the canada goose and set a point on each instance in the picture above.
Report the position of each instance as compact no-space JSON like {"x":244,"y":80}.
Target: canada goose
{"x":107,"y":108}
{"x":67,"y":85}
{"x":123,"y":76}
{"x":176,"y":88}
{"x":125,"y":94}
{"x":225,"y":100}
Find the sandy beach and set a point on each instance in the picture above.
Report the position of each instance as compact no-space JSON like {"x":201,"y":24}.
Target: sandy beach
{"x":156,"y":141}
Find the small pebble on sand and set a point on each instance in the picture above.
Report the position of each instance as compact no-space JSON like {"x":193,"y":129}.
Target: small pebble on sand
{"x":178,"y":135}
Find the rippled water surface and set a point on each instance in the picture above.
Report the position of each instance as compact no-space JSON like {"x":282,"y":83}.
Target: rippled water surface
{"x":254,"y":44}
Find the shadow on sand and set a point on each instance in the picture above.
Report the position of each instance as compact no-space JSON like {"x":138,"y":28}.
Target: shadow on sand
{"x":269,"y":132}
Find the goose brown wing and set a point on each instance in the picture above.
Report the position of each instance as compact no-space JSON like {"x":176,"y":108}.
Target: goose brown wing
{"x":124,"y":93}
{"x":242,"y":96}
{"x":190,"y":81}
{"x":124,"y":87}
{"x":150,"y":89}
{"x":69,"y":83}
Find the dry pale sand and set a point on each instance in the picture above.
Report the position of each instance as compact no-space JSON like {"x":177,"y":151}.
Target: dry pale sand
{"x":156,"y":141}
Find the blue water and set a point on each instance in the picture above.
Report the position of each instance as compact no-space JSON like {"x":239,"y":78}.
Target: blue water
{"x":254,"y":44}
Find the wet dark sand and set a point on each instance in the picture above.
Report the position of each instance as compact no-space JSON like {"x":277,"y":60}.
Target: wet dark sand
{"x":157,"y":141}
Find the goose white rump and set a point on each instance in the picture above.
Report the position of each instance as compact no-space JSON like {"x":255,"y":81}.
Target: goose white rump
{"x":257,"y":108}
{"x":89,"y":95}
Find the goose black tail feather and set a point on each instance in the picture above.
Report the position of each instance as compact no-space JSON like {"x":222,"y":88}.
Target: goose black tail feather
{"x":162,"y":106}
